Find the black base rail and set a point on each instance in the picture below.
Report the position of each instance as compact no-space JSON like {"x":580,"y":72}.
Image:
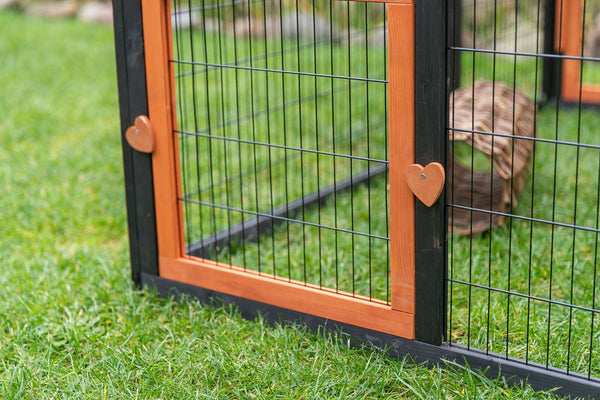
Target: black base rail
{"x":514,"y":371}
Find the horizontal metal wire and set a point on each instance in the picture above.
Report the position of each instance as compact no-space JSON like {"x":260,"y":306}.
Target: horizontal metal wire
{"x":280,"y":146}
{"x":281,"y":71}
{"x":216,"y":6}
{"x":525,"y":296}
{"x":263,"y":56}
{"x":282,"y":106}
{"x":268,"y":165}
{"x":281,"y":218}
{"x":533,"y":139}
{"x":522,"y":217}
{"x":225,"y":5}
{"x":523,"y":54}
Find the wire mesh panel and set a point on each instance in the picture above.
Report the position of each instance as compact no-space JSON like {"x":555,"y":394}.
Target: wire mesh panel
{"x":524,"y":193}
{"x":282,"y":127}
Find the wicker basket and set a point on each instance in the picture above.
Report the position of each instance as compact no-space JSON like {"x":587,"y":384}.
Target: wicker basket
{"x":475,"y":112}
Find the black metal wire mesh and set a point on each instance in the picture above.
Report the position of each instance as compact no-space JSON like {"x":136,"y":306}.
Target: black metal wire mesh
{"x":528,"y":289}
{"x":282,"y":126}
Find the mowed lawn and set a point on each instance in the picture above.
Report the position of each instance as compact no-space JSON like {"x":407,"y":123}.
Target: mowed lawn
{"x":72,"y":325}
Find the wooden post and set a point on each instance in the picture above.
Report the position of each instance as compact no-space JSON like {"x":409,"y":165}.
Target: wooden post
{"x":568,"y":41}
{"x":431,"y":114}
{"x":401,"y":56}
{"x":139,"y":190}
{"x":161,"y":108}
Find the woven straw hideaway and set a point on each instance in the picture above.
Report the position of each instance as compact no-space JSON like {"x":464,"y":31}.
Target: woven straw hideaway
{"x":495,"y":120}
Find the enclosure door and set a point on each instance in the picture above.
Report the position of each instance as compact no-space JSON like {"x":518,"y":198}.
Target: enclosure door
{"x":212,"y":76}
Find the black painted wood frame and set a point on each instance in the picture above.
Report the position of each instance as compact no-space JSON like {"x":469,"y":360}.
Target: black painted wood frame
{"x":139,"y":189}
{"x":431,"y":105}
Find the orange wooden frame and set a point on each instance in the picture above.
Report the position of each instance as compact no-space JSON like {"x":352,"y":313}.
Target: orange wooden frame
{"x":567,"y":39}
{"x":396,"y":318}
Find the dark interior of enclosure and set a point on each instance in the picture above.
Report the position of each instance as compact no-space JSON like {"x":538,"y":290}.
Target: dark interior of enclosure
{"x":525,"y":286}
{"x":282,"y":125}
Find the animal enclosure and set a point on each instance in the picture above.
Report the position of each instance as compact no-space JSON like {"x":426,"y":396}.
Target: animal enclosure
{"x":274,"y":169}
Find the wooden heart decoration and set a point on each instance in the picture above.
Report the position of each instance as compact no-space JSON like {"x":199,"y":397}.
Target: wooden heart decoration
{"x":140,"y":136}
{"x":426,"y":183}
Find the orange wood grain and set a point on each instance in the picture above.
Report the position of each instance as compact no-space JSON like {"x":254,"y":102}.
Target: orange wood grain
{"x":426,"y":182}
{"x":140,"y":136}
{"x":386,"y":1}
{"x":161,"y":97}
{"x":559,"y":21}
{"x":590,"y":93}
{"x":570,"y":45}
{"x":568,"y":37}
{"x":290,"y":295}
{"x":401,"y":28}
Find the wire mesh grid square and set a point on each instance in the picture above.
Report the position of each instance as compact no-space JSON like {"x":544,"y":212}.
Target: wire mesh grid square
{"x":525,"y":286}
{"x":282,"y":127}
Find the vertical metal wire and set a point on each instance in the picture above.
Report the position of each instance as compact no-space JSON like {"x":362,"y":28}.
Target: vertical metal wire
{"x":333,"y":139}
{"x":239,"y":133}
{"x":451,"y":147}
{"x":533,"y":169}
{"x":254,"y":140}
{"x":470,"y":287}
{"x":301,"y":133}
{"x":351,"y":142}
{"x":223,"y":92}
{"x":270,"y":149}
{"x":577,"y":150}
{"x":387,"y":157}
{"x":208,"y":108}
{"x":182,"y":120}
{"x":553,"y":219}
{"x":512,"y":174}
{"x":316,"y":90}
{"x":285,"y":143}
{"x":196,"y":119}
{"x":491,"y":234}
{"x":368,"y":153}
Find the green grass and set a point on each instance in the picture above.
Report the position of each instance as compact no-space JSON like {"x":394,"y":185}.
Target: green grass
{"x":72,"y":325}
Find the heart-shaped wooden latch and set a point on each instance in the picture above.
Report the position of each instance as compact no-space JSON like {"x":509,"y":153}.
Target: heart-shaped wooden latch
{"x":140,"y":136}
{"x":426,"y":183}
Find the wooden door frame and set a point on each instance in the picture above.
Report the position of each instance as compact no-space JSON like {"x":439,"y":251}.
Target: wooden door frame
{"x":396,"y":318}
